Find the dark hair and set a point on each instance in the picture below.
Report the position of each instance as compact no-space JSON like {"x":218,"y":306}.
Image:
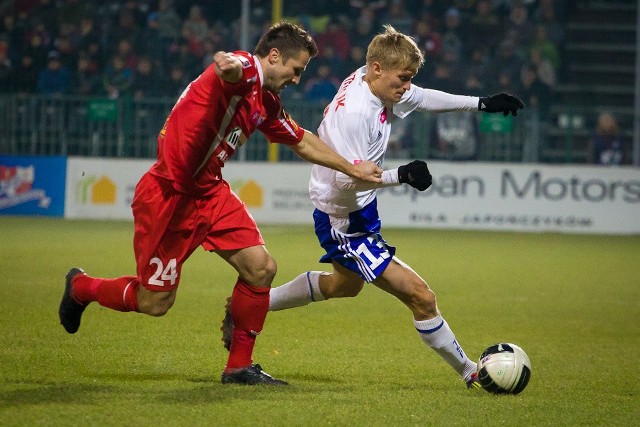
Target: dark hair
{"x":288,"y":38}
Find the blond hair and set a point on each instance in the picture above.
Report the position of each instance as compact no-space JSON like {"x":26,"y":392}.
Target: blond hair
{"x":394,"y":50}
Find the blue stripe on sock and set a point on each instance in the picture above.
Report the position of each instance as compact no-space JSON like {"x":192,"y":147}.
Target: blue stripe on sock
{"x":310,"y":287}
{"x":430,"y":331}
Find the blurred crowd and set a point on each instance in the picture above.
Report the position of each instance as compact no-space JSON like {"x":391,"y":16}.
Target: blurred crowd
{"x":145,"y":48}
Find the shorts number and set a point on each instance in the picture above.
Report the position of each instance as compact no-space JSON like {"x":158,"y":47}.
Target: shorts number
{"x":373,"y":260}
{"x":163,"y":273}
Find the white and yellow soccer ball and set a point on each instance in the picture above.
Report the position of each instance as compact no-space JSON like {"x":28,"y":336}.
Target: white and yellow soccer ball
{"x":504,"y":368}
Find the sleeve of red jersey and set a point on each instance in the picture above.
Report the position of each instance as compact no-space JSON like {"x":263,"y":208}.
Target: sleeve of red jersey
{"x":279,"y":127}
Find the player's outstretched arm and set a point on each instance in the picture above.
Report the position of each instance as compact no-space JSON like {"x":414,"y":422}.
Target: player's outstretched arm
{"x":228,"y":66}
{"x":415,"y":173}
{"x":501,"y":103}
{"x":312,"y":149}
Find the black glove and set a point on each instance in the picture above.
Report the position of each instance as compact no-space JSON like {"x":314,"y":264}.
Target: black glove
{"x":501,"y":102}
{"x":416,"y":174}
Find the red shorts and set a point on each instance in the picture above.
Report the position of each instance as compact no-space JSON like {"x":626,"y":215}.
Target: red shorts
{"x":169,"y":226}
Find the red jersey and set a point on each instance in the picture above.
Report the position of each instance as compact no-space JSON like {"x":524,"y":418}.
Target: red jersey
{"x":212,"y":119}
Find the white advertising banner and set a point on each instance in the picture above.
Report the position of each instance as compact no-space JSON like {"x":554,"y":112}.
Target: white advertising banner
{"x":527,"y":197}
{"x":487,"y":196}
{"x":101,"y":188}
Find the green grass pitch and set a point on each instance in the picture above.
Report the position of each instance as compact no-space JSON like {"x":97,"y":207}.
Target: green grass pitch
{"x":572,"y":302}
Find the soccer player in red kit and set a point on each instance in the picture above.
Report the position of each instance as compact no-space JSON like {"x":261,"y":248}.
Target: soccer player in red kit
{"x":183,"y":202}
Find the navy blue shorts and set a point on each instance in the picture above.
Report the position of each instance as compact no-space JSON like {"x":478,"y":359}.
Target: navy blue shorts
{"x":361,"y":249}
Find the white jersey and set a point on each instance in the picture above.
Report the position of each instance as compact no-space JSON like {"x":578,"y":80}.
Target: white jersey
{"x":357,"y":126}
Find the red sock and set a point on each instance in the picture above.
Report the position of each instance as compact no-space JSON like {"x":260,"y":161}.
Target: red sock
{"x":119,"y":294}
{"x":249,"y":307}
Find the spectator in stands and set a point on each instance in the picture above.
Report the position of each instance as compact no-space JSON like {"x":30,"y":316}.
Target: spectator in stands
{"x":169,"y":23}
{"x":546,"y":72}
{"x":87,"y":34}
{"x":95,"y":53}
{"x":14,"y":30}
{"x":452,"y":38}
{"x":126,"y":51}
{"x":398,"y":17}
{"x":25,"y":75}
{"x":192,"y":43}
{"x":8,"y":29}
{"x":374,"y":6}
{"x":535,"y":93}
{"x":518,"y":26}
{"x":181,"y":55}
{"x":453,"y":25}
{"x":151,"y":43}
{"x":85,"y":80}
{"x":506,"y":83}
{"x":431,"y":8}
{"x":209,"y":49}
{"x":606,"y":144}
{"x":364,"y":28}
{"x":69,"y":13}
{"x":36,"y":50}
{"x":547,"y":48}
{"x":40,"y":34}
{"x":117,"y":78}
{"x":507,"y":60}
{"x":428,"y":39}
{"x":47,"y":12}
{"x":177,"y":81}
{"x":126,"y":28}
{"x":196,"y":26}
{"x":444,"y":79}
{"x":146,"y":80}
{"x":322,"y":87}
{"x":473,"y":85}
{"x":547,"y":14}
{"x":336,"y":36}
{"x":336,"y":65}
{"x":479,"y":63}
{"x":484,"y":25}
{"x":139,"y":9}
{"x":64,"y":46}
{"x":356,"y":58}
{"x":55,"y":79}
{"x":6,"y":67}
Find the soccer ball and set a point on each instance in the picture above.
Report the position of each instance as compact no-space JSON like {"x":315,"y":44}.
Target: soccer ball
{"x":504,"y":369}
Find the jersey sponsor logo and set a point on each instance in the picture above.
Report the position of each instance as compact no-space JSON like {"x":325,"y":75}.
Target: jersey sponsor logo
{"x":217,"y":145}
{"x":340,"y":98}
{"x":233,"y":138}
{"x":245,"y":63}
{"x":383,"y":115}
{"x":257,"y":118}
{"x":222,"y":156}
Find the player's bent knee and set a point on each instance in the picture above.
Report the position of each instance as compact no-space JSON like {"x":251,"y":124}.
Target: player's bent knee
{"x":421,"y":300}
{"x":261,"y":274}
{"x":425,"y":300}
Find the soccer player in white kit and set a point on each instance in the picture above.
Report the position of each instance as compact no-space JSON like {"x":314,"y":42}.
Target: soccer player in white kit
{"x":357,"y":125}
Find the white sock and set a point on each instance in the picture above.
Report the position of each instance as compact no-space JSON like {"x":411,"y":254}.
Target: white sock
{"x":300,"y":291}
{"x":437,"y":334}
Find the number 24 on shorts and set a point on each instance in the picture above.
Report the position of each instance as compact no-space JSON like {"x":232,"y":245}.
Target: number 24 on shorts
{"x":170,"y":272}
